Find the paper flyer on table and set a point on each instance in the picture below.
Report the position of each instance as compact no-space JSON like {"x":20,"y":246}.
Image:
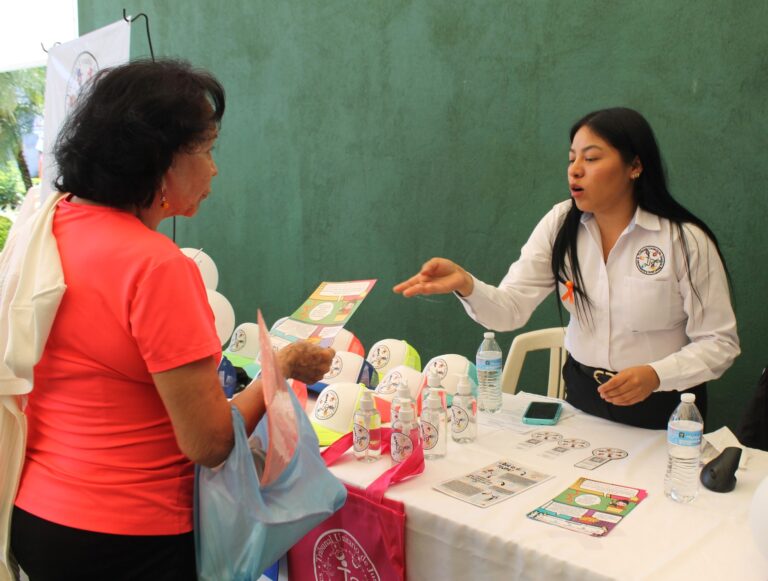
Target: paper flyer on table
{"x":590,"y":507}
{"x":493,"y":484}
{"x":323,"y":314}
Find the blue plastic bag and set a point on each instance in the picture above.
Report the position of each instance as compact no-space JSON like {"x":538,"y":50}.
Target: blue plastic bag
{"x":241,"y":528}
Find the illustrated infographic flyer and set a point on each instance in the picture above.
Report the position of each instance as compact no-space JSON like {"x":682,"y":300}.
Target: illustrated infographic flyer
{"x":590,"y":507}
{"x":323,"y":314}
{"x":493,"y":484}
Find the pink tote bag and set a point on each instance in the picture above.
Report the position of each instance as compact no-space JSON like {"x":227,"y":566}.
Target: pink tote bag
{"x":365,"y":539}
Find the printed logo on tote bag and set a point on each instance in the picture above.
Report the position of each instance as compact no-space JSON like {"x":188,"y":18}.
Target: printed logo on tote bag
{"x":338,"y":556}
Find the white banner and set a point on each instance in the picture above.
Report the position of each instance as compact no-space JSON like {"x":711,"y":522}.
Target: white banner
{"x":70,"y":66}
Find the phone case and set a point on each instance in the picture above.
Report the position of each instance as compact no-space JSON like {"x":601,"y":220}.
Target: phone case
{"x":543,"y":421}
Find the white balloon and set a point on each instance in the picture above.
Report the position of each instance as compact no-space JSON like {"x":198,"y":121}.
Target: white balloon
{"x":206,"y":265}
{"x":223,"y":313}
{"x":758,"y":517}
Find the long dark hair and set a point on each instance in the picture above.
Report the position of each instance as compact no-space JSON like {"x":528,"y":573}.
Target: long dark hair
{"x":121,"y":138}
{"x":629,"y":132}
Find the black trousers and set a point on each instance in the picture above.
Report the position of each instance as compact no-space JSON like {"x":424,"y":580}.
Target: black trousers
{"x":653,"y":412}
{"x":47,"y":550}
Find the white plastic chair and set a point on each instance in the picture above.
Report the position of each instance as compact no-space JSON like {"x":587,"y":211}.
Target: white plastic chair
{"x":551,"y":339}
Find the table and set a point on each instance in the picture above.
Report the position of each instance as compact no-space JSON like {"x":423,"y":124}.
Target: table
{"x":661,"y":539}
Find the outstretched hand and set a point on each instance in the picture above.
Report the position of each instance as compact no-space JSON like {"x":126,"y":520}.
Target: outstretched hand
{"x":305,"y":361}
{"x":437,"y":276}
{"x":630,"y":386}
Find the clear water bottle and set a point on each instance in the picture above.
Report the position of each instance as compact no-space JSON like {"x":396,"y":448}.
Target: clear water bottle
{"x":489,"y":374}
{"x":402,"y":397}
{"x":366,"y":430}
{"x":405,"y":434}
{"x":434,"y":426}
{"x":464,"y":413}
{"x":684,"y":433}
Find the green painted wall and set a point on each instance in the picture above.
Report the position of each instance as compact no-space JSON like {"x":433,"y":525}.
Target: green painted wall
{"x":363,"y":137}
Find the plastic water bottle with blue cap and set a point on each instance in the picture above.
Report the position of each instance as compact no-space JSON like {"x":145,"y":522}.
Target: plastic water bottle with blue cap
{"x":684,"y":433}
{"x":488,"y":364}
{"x":366,"y":430}
{"x":464,"y":413}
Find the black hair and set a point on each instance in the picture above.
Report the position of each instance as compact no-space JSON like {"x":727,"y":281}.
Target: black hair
{"x":628,"y":132}
{"x":129,"y":123}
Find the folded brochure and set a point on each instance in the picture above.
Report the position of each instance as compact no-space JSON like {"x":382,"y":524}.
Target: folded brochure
{"x":590,"y":507}
{"x":323,"y":314}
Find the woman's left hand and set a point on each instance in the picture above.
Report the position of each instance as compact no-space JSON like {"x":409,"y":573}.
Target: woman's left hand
{"x":630,"y":386}
{"x":305,"y":361}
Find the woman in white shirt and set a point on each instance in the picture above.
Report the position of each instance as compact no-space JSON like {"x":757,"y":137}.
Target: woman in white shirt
{"x":643,"y":279}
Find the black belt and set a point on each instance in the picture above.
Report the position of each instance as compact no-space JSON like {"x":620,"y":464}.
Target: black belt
{"x":598,"y":374}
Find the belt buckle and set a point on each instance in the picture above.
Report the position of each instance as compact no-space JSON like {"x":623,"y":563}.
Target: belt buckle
{"x":601,"y":376}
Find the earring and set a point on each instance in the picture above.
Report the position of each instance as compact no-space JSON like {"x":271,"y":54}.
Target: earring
{"x":163,"y":200}
{"x":635,"y":175}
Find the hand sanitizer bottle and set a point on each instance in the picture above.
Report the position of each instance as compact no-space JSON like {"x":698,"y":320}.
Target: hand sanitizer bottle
{"x":433,"y":384}
{"x":434,"y":427}
{"x":402,"y":397}
{"x":405,"y":434}
{"x":367,"y":430}
{"x":464,"y":413}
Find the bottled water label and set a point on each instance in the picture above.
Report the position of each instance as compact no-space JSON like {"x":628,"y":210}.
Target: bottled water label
{"x":680,"y":437}
{"x":488,"y":363}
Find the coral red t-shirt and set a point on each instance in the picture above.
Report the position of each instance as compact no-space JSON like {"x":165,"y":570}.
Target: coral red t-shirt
{"x":101,"y":452}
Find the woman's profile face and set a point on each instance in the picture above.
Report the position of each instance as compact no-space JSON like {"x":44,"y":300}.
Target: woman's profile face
{"x":598,"y":177}
{"x":188,"y":180}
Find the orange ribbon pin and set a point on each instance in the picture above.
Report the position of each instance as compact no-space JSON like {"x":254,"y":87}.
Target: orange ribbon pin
{"x":568,"y":296}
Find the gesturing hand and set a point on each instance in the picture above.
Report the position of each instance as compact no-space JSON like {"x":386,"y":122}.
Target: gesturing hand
{"x":437,"y":276}
{"x":630,"y":386}
{"x":305,"y":361}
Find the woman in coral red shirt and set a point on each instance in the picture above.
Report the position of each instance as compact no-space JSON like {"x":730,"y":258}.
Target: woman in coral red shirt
{"x":126,"y":396}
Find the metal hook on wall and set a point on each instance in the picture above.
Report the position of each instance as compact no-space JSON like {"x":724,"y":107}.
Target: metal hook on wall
{"x":132,"y":19}
{"x":45,"y":50}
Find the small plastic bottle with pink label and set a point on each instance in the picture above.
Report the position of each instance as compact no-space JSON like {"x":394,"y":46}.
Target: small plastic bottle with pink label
{"x":464,"y":413}
{"x":405,"y":434}
{"x":366,"y":434}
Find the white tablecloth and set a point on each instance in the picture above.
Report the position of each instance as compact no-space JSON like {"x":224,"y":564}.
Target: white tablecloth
{"x":661,"y":539}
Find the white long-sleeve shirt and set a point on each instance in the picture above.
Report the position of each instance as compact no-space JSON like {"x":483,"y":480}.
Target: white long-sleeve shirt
{"x":644,"y":311}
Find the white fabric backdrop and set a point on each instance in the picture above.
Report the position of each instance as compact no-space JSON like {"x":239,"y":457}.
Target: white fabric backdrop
{"x":70,"y":66}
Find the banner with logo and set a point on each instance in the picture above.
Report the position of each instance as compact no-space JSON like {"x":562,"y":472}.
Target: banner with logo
{"x":70,"y":66}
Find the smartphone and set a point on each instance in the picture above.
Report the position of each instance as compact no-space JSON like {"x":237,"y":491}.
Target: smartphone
{"x":542,"y":413}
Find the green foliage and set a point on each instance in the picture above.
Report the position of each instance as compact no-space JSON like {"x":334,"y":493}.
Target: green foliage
{"x":22,"y":95}
{"x":11,"y":185}
{"x":5,"y":227}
